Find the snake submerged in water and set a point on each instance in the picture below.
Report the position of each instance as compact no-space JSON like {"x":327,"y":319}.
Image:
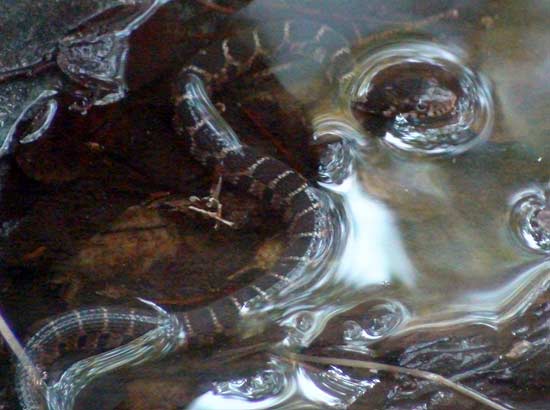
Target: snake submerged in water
{"x":212,"y":142}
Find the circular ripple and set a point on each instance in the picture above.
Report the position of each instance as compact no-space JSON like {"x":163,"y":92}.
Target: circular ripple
{"x":380,"y":321}
{"x":436,"y":74}
{"x":530,"y":220}
{"x":384,"y":318}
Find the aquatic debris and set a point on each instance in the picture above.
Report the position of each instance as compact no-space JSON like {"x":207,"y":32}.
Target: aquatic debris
{"x":374,"y":366}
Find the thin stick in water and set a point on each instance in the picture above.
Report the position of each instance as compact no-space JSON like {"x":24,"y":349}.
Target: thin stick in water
{"x":18,"y":351}
{"x":421,"y":374}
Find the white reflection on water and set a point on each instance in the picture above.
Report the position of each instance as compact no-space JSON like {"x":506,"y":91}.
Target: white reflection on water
{"x":285,"y":386}
{"x":489,"y":307}
{"x":374,"y":253}
{"x":527,"y":220}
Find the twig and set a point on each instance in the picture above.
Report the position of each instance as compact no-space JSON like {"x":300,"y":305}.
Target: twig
{"x":212,"y":201}
{"x":239,"y":353}
{"x":211,"y":214}
{"x":19,"y":352}
{"x":421,"y":374}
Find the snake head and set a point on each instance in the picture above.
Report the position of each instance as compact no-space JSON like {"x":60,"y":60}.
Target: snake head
{"x":430,"y":101}
{"x":415,"y":92}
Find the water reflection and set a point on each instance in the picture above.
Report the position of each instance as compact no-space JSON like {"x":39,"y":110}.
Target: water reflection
{"x":490,"y":307}
{"x":365,"y":261}
{"x":530,"y":218}
{"x":378,"y":322}
{"x":286,"y":386}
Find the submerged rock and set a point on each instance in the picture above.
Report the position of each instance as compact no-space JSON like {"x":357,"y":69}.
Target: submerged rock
{"x":89,"y":44}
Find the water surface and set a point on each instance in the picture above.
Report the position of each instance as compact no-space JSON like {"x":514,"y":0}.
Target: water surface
{"x":432,"y":267}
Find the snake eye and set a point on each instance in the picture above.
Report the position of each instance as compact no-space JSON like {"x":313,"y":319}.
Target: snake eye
{"x":421,"y":106}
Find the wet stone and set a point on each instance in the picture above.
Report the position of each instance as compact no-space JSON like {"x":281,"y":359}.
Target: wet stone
{"x":29,"y":53}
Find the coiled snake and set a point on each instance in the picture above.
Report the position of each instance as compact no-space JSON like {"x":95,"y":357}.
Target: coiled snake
{"x":213,"y":143}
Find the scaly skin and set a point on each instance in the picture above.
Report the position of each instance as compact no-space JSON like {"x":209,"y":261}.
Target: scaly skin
{"x":213,"y":143}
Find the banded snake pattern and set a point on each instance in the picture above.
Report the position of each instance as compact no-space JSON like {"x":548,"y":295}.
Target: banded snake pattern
{"x":214,"y":144}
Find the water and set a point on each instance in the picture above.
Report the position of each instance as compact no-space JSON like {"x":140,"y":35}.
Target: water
{"x":529,"y":219}
{"x":439,"y":260}
{"x":287,"y":387}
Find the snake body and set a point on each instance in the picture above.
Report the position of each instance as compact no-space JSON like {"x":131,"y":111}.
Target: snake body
{"x":213,"y":143}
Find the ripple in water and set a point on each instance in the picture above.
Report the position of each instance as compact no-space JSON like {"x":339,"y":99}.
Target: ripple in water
{"x":303,"y":327}
{"x":530,"y":219}
{"x":305,"y":321}
{"x":424,"y":98}
{"x":384,"y":318}
{"x":287,"y":387}
{"x":264,"y":384}
{"x":380,"y":321}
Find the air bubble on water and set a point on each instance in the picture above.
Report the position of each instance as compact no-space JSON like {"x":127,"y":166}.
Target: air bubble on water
{"x":379,"y":322}
{"x":304,"y":326}
{"x":382,"y":319}
{"x":285,"y":385}
{"x":472,"y":120}
{"x":265,"y":383}
{"x":43,"y":116}
{"x":337,"y":136}
{"x":23,"y":100}
{"x":353,"y":332}
{"x":304,"y":321}
{"x":530,"y":219}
